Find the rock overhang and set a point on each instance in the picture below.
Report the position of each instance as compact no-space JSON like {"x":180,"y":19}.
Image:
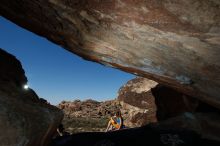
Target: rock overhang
{"x":173,"y":42}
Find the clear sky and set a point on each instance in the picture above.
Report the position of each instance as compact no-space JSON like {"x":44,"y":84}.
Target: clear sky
{"x":56,"y":74}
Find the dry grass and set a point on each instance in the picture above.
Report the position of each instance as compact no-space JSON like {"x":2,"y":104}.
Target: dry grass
{"x":77,"y":125}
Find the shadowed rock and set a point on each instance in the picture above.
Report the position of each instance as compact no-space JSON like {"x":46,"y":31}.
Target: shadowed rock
{"x":205,"y":124}
{"x":24,"y":119}
{"x":153,"y":135}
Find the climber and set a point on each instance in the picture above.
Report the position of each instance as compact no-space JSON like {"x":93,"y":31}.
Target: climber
{"x":115,"y":122}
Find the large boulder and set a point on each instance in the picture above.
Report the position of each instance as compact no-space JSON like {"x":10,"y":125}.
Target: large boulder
{"x":138,"y":102}
{"x":175,"y":42}
{"x":24,"y":119}
{"x":144,"y":101}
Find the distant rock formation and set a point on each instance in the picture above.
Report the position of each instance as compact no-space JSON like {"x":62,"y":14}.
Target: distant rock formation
{"x":88,"y":115}
{"x":24,"y":119}
{"x":88,"y":108}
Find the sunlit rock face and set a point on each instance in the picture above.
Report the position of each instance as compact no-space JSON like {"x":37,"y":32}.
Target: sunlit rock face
{"x":138,"y":102}
{"x":175,"y":42}
{"x":145,"y":101}
{"x":24,"y":119}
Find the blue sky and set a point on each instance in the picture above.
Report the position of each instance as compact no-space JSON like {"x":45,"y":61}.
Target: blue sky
{"x":56,"y":74}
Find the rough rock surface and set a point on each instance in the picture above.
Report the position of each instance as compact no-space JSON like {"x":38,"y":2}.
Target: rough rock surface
{"x":175,"y":42}
{"x":138,"y":102}
{"x":24,"y":119}
{"x":146,"y":101}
